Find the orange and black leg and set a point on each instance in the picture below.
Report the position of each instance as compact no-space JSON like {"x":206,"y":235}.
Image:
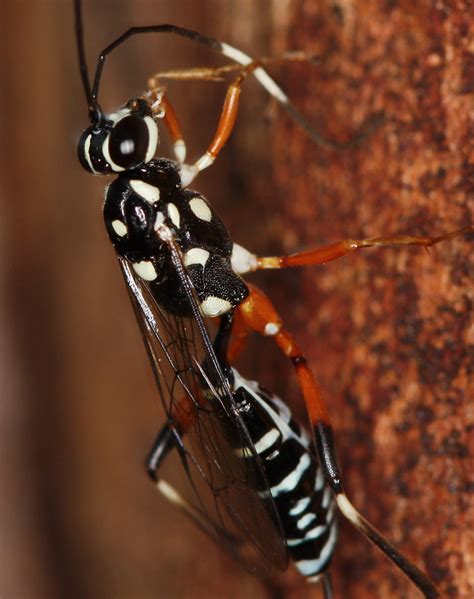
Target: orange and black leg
{"x":169,"y":439}
{"x":257,"y":314}
{"x":182,"y":416}
{"x":226,"y":122}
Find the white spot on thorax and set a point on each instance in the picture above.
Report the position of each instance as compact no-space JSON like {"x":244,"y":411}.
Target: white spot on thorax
{"x":242,"y":260}
{"x":201,"y":209}
{"x":145,"y":270}
{"x":148,"y":192}
{"x":119,"y":227}
{"x":196,"y":256}
{"x":215,"y":306}
{"x":173,"y":213}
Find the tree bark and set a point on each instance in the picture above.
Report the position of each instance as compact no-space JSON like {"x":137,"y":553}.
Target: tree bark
{"x":388,"y":331}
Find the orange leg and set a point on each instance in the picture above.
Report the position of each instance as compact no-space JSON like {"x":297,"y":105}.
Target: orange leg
{"x":224,"y":128}
{"x":174,"y":128}
{"x":243,"y":261}
{"x":342,"y":248}
{"x":227,"y":119}
{"x":162,"y":108}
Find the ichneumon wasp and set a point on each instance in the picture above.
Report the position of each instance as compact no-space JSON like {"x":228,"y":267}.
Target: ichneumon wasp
{"x":259,"y":488}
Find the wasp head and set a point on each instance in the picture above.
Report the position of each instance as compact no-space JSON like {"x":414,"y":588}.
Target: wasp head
{"x":119,"y":142}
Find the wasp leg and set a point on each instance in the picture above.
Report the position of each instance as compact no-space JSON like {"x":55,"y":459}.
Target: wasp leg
{"x":326,"y":583}
{"x":257,"y":314}
{"x":224,"y":128}
{"x":168,"y":439}
{"x":244,"y":261}
{"x":217,"y":73}
{"x":162,"y":108}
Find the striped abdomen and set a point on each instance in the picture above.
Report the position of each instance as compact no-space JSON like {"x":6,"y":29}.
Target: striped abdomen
{"x":305,"y":504}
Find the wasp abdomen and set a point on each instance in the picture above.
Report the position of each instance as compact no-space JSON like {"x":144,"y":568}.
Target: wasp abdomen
{"x":304,"y":502}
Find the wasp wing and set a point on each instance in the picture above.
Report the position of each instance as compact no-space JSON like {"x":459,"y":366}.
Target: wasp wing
{"x":226,"y":482}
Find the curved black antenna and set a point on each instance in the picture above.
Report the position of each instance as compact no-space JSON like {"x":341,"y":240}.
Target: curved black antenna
{"x":174,"y":29}
{"x":95,"y":111}
{"x":79,"y":27}
{"x":238,"y":56}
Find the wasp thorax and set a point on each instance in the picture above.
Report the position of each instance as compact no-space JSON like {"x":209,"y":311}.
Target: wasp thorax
{"x":120,"y":141}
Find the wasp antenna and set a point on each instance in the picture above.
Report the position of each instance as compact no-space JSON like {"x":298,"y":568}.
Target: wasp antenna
{"x":133,"y":31}
{"x":94,"y":109}
{"x":79,"y":28}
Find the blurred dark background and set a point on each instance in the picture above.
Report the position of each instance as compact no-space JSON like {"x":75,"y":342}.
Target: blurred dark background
{"x":387,"y":331}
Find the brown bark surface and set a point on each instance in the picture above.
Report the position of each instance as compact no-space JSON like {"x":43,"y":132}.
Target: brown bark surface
{"x":388,"y":331}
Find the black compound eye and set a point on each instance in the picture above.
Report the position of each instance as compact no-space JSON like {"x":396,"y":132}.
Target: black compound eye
{"x":128,"y":142}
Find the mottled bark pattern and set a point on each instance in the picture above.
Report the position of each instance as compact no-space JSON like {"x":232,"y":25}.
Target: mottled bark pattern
{"x":388,"y":330}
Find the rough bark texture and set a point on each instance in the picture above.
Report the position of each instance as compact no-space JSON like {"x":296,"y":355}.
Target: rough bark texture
{"x":387,"y":331}
{"x":391,"y":335}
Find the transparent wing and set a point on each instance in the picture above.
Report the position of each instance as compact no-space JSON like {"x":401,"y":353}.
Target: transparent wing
{"x":230,"y":492}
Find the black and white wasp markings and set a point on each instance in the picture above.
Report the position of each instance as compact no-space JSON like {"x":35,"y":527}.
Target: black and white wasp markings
{"x":262,"y":487}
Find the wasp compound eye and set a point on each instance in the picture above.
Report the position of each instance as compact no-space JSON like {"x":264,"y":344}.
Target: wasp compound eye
{"x":128,"y":142}
{"x":120,"y":146}
{"x":131,"y":142}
